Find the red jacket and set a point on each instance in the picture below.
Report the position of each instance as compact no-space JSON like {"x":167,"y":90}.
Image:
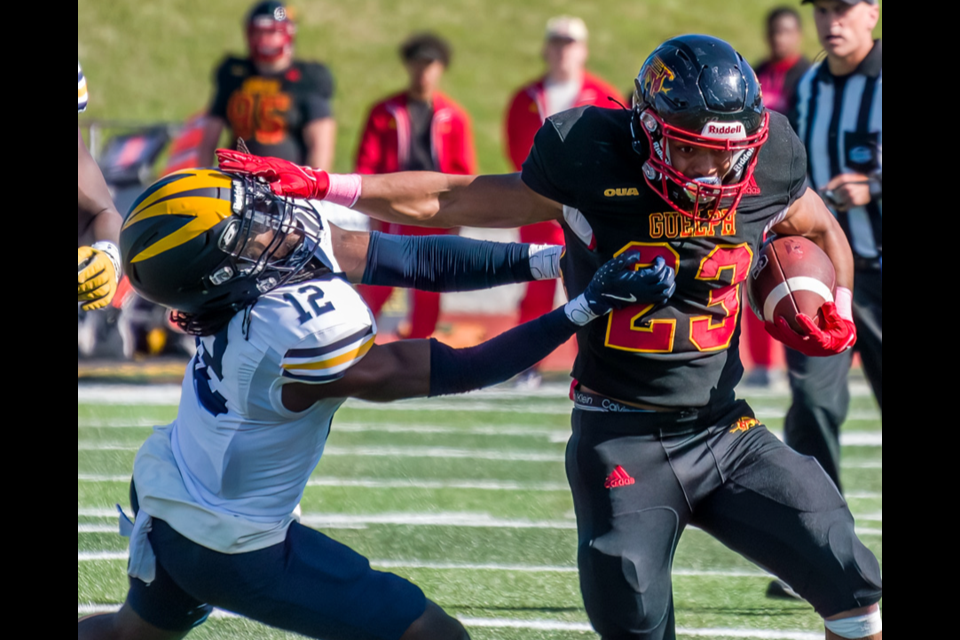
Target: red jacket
{"x":385,"y":144}
{"x":528,"y":111}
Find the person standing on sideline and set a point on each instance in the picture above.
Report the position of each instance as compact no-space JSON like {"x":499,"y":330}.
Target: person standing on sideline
{"x":839,"y":116}
{"x":779,"y":75}
{"x":418,"y":129}
{"x":566,"y":85}
{"x":279,"y":106}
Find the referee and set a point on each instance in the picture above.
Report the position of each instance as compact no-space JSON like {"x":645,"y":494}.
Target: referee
{"x":839,"y":116}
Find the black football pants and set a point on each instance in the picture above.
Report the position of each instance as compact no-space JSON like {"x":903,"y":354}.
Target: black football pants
{"x":821,"y":395}
{"x":639,"y":480}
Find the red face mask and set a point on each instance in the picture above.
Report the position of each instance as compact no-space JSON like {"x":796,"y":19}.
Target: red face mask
{"x":693,"y":196}
{"x":269,"y":40}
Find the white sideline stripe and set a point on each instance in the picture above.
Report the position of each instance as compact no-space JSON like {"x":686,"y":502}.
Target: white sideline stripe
{"x":408,"y":483}
{"x":169,"y":395}
{"x":543,"y":625}
{"x":105,"y":556}
{"x":424,"y":452}
{"x":558,"y":435}
{"x":322,"y":521}
{"x":389,"y":452}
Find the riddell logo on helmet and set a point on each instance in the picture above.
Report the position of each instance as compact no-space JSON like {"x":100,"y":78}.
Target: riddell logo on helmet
{"x":725,"y":130}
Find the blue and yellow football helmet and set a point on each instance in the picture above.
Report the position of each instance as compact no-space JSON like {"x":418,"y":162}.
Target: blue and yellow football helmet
{"x":201,"y":241}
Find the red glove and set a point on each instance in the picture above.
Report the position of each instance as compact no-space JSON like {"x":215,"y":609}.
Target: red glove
{"x":838,"y":334}
{"x":285,"y":178}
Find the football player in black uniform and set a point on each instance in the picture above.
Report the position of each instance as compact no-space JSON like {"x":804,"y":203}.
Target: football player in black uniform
{"x":98,"y":225}
{"x":693,"y":176}
{"x":279,"y":106}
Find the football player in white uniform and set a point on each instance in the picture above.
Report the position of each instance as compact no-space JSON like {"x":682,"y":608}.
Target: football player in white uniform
{"x":98,"y":225}
{"x":283,"y":340}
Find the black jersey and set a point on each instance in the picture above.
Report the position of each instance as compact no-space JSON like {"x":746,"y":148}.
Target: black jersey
{"x":686,"y":353}
{"x":270,"y":111}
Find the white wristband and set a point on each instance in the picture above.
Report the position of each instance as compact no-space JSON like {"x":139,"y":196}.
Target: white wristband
{"x":545,"y":261}
{"x":845,"y":303}
{"x":579,"y":312}
{"x":112,"y":252}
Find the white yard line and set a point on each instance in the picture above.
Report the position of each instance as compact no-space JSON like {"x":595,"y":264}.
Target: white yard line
{"x":548,"y":625}
{"x":322,"y":521}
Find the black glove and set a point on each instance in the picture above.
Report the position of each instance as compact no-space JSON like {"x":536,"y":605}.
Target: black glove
{"x":618,"y":284}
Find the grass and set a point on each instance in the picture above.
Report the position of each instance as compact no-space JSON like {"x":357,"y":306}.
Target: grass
{"x":152,"y":61}
{"x":385,"y":467}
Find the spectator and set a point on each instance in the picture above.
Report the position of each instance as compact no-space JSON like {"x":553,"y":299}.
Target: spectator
{"x":779,"y":76}
{"x":566,"y":85}
{"x":279,"y":106}
{"x":418,"y":129}
{"x":781,"y":73}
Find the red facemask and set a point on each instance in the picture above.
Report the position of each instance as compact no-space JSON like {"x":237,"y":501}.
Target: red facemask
{"x":692,"y":196}
{"x":263,"y":43}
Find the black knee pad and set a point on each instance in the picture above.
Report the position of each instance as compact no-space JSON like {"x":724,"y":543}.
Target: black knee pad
{"x":626,"y":576}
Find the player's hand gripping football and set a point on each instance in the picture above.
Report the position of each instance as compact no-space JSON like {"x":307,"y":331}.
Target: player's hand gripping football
{"x":619,"y":284}
{"x":838,"y":334}
{"x":97,"y":278}
{"x":285,"y":178}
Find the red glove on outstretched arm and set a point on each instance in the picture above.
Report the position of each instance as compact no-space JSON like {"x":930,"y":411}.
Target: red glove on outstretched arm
{"x":285,"y":178}
{"x":839,"y":333}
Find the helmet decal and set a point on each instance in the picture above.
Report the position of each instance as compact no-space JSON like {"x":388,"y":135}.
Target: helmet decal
{"x":656,"y":75}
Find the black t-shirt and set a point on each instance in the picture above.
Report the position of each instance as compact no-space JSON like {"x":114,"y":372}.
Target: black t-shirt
{"x":269,"y":112}
{"x":686,"y":353}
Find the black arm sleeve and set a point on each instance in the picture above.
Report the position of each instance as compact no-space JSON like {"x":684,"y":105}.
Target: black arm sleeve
{"x":444,"y":263}
{"x":462,"y":370}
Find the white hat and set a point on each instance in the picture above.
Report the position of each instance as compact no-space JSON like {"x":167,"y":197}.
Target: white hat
{"x":566,"y":27}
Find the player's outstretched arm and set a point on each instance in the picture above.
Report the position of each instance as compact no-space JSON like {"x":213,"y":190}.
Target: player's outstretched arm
{"x":416,"y":198}
{"x":98,"y":230}
{"x":809,"y":217}
{"x":429,"y":368}
{"x":441,"y":263}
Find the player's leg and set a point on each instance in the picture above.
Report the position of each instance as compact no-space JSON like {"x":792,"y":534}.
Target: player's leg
{"x":821,"y":400}
{"x":859,"y":624}
{"x":435,"y":624}
{"x":781,"y":511}
{"x":424,"y":314}
{"x":868,"y":314}
{"x":309,"y":584}
{"x":630,"y":514}
{"x":123,"y":625}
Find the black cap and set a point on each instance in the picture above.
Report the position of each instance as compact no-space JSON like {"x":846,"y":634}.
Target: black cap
{"x":269,"y":10}
{"x":426,"y":46}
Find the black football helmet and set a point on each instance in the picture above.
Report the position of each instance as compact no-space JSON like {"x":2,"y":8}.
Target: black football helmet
{"x":698,"y":91}
{"x":202,"y":241}
{"x":266,"y":18}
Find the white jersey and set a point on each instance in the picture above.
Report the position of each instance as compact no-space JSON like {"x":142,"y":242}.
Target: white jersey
{"x":230,"y":472}
{"x":81,"y":90}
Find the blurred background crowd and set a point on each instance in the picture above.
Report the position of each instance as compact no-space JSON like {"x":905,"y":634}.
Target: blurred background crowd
{"x":370,"y":87}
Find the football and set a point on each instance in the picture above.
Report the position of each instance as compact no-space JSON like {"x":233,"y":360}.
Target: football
{"x":792,"y":276}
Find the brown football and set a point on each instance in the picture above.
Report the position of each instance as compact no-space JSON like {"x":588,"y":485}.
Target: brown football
{"x":792,"y":275}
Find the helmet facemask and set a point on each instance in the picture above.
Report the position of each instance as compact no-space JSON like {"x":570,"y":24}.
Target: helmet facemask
{"x":270,"y":239}
{"x":260,"y":29}
{"x":699,"y":197}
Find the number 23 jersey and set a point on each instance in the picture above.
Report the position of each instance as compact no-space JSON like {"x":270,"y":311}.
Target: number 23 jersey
{"x":684,"y":354}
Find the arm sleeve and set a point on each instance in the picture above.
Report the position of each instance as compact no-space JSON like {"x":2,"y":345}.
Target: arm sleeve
{"x":444,"y":263}
{"x":318,"y":98}
{"x":455,"y":371}
{"x":544,"y":170}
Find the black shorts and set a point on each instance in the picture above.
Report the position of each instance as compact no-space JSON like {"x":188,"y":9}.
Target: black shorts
{"x":309,"y":584}
{"x":640,"y":479}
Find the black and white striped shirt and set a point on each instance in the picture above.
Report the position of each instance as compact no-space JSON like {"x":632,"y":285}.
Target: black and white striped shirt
{"x":840,"y":119}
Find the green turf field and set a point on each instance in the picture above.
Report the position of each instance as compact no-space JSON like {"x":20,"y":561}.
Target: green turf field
{"x":154,"y":60}
{"x":466,"y":497}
